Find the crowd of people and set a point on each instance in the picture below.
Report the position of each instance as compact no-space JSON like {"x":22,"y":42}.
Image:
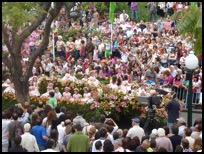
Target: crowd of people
{"x":150,"y":53}
{"x":30,"y":129}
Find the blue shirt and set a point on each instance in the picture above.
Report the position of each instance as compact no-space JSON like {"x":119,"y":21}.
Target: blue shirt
{"x":39,"y":132}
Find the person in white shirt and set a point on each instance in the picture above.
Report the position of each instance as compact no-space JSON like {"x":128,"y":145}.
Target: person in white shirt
{"x":123,"y":25}
{"x":118,"y":146}
{"x":124,"y":16}
{"x":129,"y":32}
{"x":136,"y":130}
{"x":5,"y":139}
{"x":182,"y":60}
{"x":28,"y":140}
{"x":61,"y":131}
{"x":50,"y":144}
{"x":181,"y":124}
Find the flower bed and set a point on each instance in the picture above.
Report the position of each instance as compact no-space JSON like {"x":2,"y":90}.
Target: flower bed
{"x":113,"y":103}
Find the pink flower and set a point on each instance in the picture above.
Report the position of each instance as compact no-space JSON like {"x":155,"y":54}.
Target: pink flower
{"x":117,"y":109}
{"x":92,"y":106}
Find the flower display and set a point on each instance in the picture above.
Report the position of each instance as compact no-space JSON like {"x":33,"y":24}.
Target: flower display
{"x":111,"y":102}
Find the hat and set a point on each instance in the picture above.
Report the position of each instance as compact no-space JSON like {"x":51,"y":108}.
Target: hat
{"x":181,"y":120}
{"x":27,"y":127}
{"x":161,"y":132}
{"x":35,"y":77}
{"x":136,"y":120}
{"x":76,"y":89}
{"x":129,"y":26}
{"x":86,"y":88}
{"x":50,"y":84}
{"x":67,"y":88}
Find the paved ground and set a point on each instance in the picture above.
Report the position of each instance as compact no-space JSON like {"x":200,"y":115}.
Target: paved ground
{"x":194,"y":116}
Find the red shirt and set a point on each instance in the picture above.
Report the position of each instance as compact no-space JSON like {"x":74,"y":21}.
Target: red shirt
{"x":82,"y":50}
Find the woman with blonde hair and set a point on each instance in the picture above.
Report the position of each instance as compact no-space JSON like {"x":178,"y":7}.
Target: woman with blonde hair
{"x":92,"y":132}
{"x":68,"y":132}
{"x":197,"y":147}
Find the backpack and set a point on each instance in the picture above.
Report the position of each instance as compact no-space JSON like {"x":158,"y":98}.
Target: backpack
{"x":18,"y":130}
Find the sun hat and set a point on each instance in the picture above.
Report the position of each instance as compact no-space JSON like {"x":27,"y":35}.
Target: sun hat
{"x":181,"y":120}
{"x":86,"y":88}
{"x":67,"y":88}
{"x":76,"y":89}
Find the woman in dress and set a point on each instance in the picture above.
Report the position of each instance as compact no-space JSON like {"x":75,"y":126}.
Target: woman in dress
{"x":35,"y":84}
{"x":76,"y":95}
{"x":86,"y":93}
{"x":58,"y":94}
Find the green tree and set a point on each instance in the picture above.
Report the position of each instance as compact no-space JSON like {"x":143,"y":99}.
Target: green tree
{"x":189,"y":23}
{"x":17,"y":15}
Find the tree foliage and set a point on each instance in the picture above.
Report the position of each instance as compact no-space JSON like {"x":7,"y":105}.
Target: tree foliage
{"x":17,"y":28}
{"x":189,"y":23}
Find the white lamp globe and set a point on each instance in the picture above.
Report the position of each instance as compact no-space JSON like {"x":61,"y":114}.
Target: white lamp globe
{"x":191,"y":61}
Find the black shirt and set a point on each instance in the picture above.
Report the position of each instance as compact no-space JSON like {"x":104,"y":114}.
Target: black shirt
{"x":175,"y":140}
{"x":173,"y":108}
{"x":17,"y":149}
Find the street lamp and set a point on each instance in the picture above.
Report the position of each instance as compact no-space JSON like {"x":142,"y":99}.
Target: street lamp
{"x":191,"y":63}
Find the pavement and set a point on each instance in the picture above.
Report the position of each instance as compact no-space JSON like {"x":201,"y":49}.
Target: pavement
{"x":194,"y":116}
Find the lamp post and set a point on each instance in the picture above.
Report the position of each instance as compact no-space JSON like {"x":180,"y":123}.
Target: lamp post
{"x":191,"y":63}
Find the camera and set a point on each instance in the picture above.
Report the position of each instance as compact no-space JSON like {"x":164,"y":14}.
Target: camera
{"x":150,"y":100}
{"x":16,"y":105}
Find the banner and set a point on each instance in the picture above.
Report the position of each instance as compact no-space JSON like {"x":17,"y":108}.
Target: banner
{"x":111,"y":13}
{"x":193,"y":3}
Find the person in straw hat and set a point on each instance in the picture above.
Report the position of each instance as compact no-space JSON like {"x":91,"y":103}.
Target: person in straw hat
{"x":87,"y":94}
{"x":76,"y":94}
{"x":58,"y":94}
{"x":66,"y":94}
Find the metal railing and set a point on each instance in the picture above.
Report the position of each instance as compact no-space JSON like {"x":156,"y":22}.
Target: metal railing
{"x":182,"y":95}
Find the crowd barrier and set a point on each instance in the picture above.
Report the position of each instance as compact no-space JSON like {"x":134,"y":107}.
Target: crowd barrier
{"x":182,"y":95}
